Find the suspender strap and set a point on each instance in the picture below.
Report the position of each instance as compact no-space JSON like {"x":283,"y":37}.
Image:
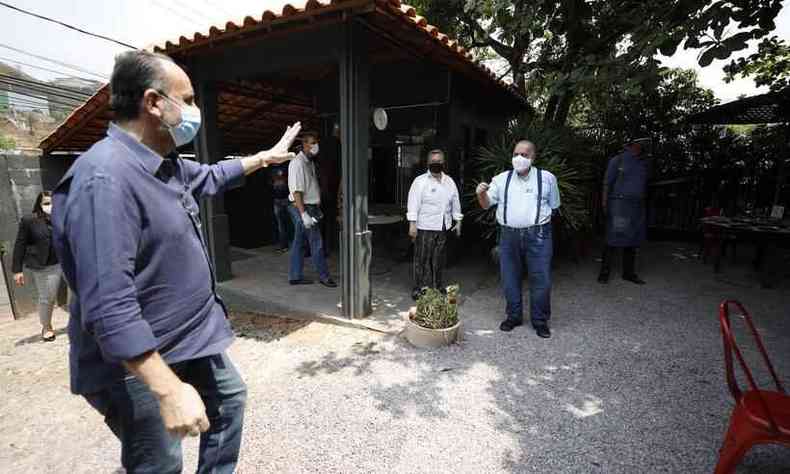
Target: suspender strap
{"x":540,"y":197}
{"x":507,"y":188}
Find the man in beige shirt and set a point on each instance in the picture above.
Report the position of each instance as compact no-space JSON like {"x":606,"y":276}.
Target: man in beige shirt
{"x":305,"y":211}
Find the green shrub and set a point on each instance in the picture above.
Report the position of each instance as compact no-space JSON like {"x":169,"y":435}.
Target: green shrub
{"x":7,"y":143}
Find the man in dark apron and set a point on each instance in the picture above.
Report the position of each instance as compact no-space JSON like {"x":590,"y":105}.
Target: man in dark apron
{"x":624,"y":191}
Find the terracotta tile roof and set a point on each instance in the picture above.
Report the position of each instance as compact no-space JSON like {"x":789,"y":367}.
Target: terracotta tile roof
{"x":86,"y":124}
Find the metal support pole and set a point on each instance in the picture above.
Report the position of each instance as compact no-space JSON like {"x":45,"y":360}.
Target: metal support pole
{"x":208,"y":150}
{"x":356,"y":248}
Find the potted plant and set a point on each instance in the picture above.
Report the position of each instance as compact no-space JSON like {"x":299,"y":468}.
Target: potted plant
{"x":434,"y":321}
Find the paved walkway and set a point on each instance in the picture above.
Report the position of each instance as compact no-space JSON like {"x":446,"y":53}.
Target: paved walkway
{"x":260,"y":284}
{"x":631,"y":382}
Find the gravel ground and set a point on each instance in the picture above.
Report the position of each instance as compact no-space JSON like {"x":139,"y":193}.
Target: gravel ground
{"x":631,"y":382}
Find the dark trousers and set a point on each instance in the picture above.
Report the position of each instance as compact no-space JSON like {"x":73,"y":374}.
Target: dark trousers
{"x":313,"y":237}
{"x":629,"y":260}
{"x":429,"y":258}
{"x":535,"y":246}
{"x":131,"y":411}
{"x":282,"y":218}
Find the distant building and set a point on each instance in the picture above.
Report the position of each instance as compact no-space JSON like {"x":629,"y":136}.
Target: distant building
{"x":60,"y":104}
{"x":4,"y":105}
{"x":14,"y":96}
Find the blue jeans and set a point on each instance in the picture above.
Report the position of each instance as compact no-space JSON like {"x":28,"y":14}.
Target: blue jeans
{"x":313,"y":236}
{"x":131,"y":411}
{"x":533,"y":244}
{"x":281,"y":219}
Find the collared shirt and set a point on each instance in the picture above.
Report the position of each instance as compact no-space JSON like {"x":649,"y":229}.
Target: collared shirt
{"x":127,"y":232}
{"x":522,"y":203}
{"x":302,"y":178}
{"x":433,"y":204}
{"x":633,"y":182}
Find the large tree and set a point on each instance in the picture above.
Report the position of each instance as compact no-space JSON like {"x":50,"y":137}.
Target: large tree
{"x":769,"y":66}
{"x":555,"y":49}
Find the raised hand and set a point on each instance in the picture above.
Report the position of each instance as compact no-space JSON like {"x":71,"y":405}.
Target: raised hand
{"x":279,"y":152}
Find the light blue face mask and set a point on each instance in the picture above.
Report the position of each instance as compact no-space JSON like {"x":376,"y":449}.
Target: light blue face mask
{"x":186,"y":130}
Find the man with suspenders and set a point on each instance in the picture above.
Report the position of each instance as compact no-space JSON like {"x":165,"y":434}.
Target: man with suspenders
{"x":526,"y":198}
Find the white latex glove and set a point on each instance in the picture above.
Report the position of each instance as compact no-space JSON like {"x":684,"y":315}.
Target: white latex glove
{"x":413,"y":230}
{"x":457,"y":228}
{"x":308,"y":220}
{"x":481,"y":188}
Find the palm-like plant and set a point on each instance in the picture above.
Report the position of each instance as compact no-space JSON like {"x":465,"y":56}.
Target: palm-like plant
{"x":559,"y":151}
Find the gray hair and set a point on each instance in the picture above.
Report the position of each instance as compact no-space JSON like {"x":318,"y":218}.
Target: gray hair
{"x":134,"y":73}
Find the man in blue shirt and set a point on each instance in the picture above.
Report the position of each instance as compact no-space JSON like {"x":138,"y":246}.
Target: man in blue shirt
{"x":623,"y":201}
{"x":526,"y":198}
{"x":148,"y":331}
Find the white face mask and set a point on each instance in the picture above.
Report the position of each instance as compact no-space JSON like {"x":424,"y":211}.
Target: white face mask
{"x":47,"y":208}
{"x":314,"y":149}
{"x":521,"y":164}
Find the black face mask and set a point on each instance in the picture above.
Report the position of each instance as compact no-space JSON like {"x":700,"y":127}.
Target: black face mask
{"x":436,"y":168}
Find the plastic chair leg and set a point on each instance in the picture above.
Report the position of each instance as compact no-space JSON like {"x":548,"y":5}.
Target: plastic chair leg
{"x":741,"y":436}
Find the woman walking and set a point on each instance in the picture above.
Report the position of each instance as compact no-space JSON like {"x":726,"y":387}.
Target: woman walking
{"x":34,"y":250}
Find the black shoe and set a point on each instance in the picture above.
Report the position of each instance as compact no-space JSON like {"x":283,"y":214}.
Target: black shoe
{"x":634,"y":279}
{"x":283,"y":250}
{"x":301,"y":282}
{"x":542,"y":330}
{"x":508,"y":325}
{"x":603,"y":278}
{"x":329,"y":283}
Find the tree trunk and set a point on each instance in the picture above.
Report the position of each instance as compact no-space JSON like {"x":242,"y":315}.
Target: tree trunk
{"x":564,"y":106}
{"x":551,"y":108}
{"x":519,"y":81}
{"x":782,"y":169}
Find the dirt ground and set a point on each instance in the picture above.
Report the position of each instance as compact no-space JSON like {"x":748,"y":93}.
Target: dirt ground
{"x":632,"y":381}
{"x":44,"y":428}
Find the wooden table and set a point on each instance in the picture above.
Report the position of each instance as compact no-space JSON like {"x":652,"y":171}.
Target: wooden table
{"x":759,"y":231}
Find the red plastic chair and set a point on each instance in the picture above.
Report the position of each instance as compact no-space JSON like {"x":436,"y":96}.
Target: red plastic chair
{"x":759,"y":416}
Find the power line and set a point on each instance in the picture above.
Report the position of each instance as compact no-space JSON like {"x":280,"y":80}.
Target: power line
{"x":175,"y":12}
{"x":55,"y":61}
{"x":20,"y":103}
{"x":60,"y":73}
{"x":66,"y":93}
{"x":43,"y":93}
{"x":66,"y":25}
{"x":197,"y":12}
{"x":27,"y":98}
{"x":25,"y":102}
{"x":219,"y":7}
{"x":37,"y":83}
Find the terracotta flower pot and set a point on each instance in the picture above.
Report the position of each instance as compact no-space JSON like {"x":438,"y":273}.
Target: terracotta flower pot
{"x":426,"y":338}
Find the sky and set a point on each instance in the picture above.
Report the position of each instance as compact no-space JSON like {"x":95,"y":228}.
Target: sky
{"x":143,"y":22}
